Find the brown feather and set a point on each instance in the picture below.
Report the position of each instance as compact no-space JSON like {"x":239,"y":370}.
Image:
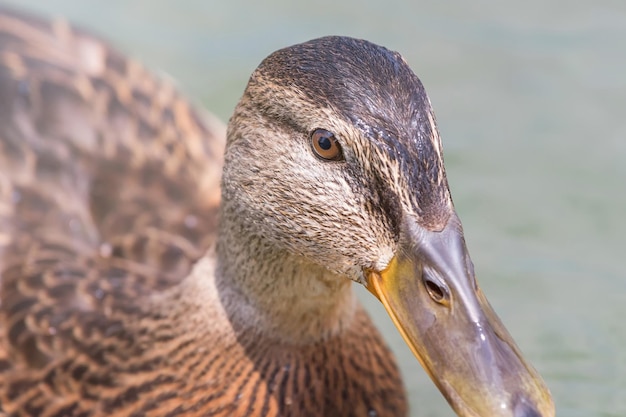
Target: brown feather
{"x":109,"y":194}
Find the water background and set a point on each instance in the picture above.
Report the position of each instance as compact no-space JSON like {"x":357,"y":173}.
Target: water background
{"x":531,"y":103}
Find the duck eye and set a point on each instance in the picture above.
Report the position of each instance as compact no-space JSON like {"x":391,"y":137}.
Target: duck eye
{"x":326,"y":145}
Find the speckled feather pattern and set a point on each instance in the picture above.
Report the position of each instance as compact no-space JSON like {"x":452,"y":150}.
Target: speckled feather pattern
{"x":109,"y":195}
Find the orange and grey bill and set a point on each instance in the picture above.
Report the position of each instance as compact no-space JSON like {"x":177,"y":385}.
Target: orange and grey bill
{"x":430,"y":292}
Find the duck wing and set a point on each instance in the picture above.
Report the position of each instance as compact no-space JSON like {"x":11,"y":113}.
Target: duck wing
{"x":109,"y":190}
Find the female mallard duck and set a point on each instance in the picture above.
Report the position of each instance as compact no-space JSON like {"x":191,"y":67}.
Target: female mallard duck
{"x":121,"y":295}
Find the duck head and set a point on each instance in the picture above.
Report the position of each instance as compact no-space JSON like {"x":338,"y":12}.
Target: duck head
{"x":334,"y":156}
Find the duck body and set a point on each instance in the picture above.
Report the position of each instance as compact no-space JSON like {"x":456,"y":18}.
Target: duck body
{"x":143,"y":274}
{"x":151,"y":362}
{"x":109,"y":195}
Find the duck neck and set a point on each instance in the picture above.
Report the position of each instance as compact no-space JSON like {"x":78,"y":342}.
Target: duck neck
{"x":278,"y":294}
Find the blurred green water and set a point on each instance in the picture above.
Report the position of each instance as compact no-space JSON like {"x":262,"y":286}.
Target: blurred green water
{"x":531,"y":101}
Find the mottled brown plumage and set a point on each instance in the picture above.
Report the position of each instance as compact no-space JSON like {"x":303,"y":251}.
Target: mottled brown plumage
{"x":135,"y":282}
{"x":109,"y":193}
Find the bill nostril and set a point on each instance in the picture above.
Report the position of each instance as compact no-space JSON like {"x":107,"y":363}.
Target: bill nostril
{"x":437,"y":291}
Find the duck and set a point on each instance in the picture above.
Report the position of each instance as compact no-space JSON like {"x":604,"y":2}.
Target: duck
{"x":157,"y":263}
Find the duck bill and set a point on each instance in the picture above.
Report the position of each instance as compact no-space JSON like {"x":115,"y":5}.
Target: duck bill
{"x":430,"y":293}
